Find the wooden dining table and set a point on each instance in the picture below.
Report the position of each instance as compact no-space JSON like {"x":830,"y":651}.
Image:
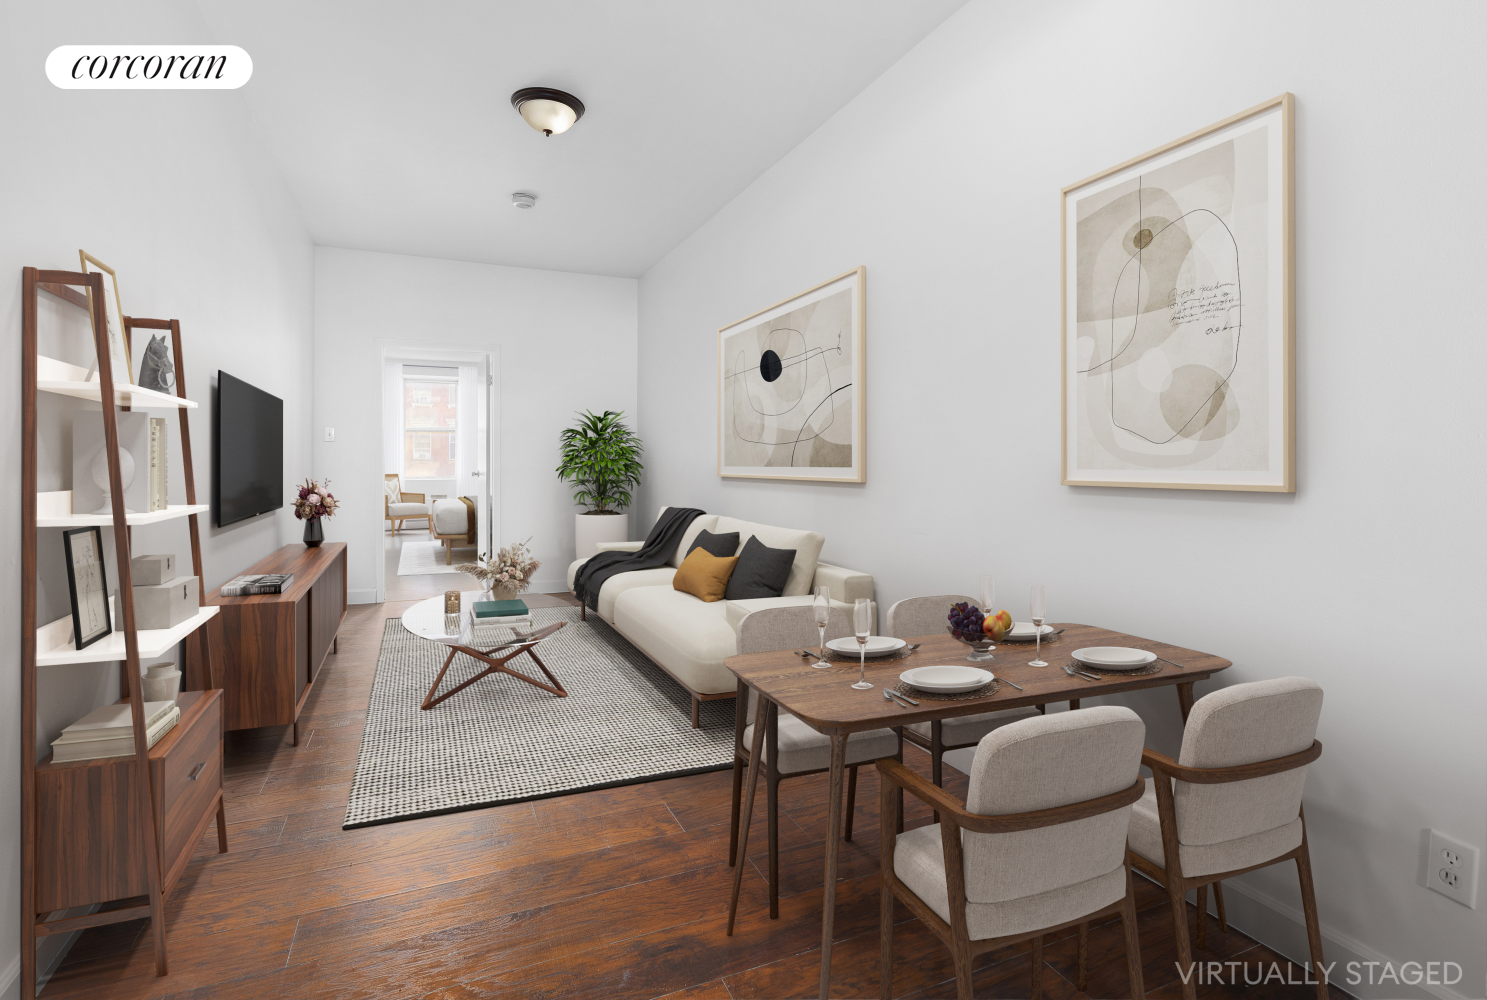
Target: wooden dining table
{"x":825,"y":701}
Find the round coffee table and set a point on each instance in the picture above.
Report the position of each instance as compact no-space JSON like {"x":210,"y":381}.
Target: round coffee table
{"x":426,"y":620}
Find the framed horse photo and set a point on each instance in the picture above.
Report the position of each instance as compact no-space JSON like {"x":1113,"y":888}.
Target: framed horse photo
{"x":1179,"y":313}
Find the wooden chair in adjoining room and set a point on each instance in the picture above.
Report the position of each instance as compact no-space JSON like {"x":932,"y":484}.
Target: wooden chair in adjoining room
{"x":1038,"y":846}
{"x":398,"y":506}
{"x":918,"y":616}
{"x":791,"y":748}
{"x":1231,"y":803}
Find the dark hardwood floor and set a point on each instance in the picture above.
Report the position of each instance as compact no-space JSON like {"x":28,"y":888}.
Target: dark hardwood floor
{"x":614,"y":893}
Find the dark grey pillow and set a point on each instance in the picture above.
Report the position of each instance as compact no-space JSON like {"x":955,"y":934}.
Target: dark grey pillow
{"x":761,"y":571}
{"x":722,"y":546}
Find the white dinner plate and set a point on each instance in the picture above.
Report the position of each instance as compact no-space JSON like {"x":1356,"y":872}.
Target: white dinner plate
{"x":1023,"y":632}
{"x":1114,"y":657}
{"x":877,"y":645}
{"x":946,"y":679}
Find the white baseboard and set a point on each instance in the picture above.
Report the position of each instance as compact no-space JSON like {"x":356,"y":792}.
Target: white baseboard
{"x":361,"y":596}
{"x":1282,"y":928}
{"x":549,"y":585}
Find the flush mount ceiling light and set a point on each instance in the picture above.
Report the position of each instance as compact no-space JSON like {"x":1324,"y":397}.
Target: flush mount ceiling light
{"x":546,"y":110}
{"x":523,"y":200}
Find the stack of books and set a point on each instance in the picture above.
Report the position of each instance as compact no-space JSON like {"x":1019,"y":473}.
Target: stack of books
{"x":109,"y":731}
{"x":262,"y":583}
{"x":502,"y":612}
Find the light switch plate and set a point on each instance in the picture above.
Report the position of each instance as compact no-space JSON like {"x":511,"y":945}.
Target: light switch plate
{"x":330,"y":434}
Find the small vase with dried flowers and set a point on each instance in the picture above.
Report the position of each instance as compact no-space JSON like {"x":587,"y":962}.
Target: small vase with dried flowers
{"x":312,"y":501}
{"x":505,"y":574}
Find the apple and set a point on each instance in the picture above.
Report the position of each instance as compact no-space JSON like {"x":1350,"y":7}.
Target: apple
{"x":1006,"y":620}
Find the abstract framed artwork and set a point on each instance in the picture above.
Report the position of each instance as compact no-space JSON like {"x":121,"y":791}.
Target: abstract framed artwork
{"x":790,"y":387}
{"x":87,"y":585}
{"x":1178,"y":341}
{"x":113,"y":314}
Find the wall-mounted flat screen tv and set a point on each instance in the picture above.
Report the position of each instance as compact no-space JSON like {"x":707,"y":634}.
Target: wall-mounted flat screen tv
{"x":248,"y":462}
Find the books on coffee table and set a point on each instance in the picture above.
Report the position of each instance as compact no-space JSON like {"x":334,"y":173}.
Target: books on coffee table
{"x":501,"y":609}
{"x":109,"y":731}
{"x":259,"y":583}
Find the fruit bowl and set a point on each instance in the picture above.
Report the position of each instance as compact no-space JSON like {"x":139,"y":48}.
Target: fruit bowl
{"x":980,"y":643}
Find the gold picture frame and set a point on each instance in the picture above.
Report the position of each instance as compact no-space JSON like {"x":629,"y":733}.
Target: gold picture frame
{"x":791,"y":380}
{"x":1205,"y":398}
{"x":117,"y":338}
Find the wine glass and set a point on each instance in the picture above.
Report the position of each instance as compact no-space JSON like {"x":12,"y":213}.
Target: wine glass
{"x":862,"y":627}
{"x":988,"y":597}
{"x":1037,"y":610}
{"x":821,"y":611}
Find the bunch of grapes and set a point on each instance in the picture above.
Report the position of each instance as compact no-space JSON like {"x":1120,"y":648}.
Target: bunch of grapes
{"x":965,"y":617}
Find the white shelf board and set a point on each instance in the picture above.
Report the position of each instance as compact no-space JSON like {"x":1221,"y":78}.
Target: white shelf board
{"x":124,"y":394}
{"x":152,"y":642}
{"x":175,"y":510}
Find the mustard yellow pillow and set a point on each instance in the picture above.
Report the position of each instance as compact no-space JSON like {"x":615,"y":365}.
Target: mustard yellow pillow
{"x":704,"y":575}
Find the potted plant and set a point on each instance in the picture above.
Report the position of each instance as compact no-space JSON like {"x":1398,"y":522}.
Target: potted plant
{"x":313,"y":501}
{"x":601,"y":458}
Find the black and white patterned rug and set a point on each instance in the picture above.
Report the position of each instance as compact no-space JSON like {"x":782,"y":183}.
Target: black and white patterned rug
{"x":499,"y":741}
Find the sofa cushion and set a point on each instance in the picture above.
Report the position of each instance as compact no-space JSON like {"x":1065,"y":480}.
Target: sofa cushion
{"x":407,"y":509}
{"x":761,"y":571}
{"x":807,"y":546}
{"x":724,"y":546}
{"x":688,"y":638}
{"x":704,"y":575}
{"x":700,"y":523}
{"x":621,"y":582}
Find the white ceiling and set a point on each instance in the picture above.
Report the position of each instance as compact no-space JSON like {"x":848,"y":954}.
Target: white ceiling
{"x":393,"y":126}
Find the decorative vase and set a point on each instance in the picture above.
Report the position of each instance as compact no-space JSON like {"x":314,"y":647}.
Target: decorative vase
{"x":314,"y":534}
{"x":591,"y":529}
{"x":161,"y":682}
{"x":504,"y":592}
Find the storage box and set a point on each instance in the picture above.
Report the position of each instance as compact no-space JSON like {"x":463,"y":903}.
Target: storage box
{"x":165,"y":605}
{"x":150,"y":570}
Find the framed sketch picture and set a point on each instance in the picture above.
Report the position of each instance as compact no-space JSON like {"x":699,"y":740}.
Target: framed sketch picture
{"x":87,"y":580}
{"x":790,"y":387}
{"x":1178,"y":357}
{"x":118,"y":343}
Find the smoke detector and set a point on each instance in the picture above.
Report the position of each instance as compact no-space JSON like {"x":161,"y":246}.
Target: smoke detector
{"x":523,"y":200}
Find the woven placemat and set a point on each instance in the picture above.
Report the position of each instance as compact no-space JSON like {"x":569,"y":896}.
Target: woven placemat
{"x":984,"y":691}
{"x":1155,"y":667}
{"x":832,"y":656}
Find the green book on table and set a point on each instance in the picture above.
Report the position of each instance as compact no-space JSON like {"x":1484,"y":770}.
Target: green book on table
{"x":500,"y":609}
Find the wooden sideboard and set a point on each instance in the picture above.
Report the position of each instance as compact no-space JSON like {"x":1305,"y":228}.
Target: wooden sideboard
{"x":91,"y":850}
{"x":273,"y":645}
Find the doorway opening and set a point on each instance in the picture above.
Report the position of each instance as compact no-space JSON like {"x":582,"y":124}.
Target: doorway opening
{"x":438,"y":454}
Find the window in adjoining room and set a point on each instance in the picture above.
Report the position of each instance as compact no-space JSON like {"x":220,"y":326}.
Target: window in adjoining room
{"x":430,"y":428}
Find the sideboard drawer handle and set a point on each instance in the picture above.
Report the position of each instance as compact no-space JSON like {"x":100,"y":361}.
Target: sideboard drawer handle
{"x":196,"y":771}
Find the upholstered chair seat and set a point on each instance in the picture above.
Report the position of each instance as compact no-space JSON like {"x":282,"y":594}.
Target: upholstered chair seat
{"x":1231,"y":802}
{"x":1038,"y":846}
{"x":789,"y":748}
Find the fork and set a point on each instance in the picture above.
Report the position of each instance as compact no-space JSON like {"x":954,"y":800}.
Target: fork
{"x":1069,"y":669}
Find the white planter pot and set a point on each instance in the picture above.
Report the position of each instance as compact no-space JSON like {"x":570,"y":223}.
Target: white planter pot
{"x":591,"y":529}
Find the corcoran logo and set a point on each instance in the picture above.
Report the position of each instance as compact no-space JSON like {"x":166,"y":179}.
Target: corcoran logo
{"x":148,"y":67}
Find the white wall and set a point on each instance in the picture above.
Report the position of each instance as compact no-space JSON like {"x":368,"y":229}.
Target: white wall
{"x":566,"y":342}
{"x":170,"y":189}
{"x":943,"y":178}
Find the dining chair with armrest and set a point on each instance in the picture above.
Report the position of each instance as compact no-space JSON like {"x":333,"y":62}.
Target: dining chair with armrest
{"x":1038,"y":846}
{"x":917,"y":616}
{"x":1231,"y":803}
{"x":791,"y":749}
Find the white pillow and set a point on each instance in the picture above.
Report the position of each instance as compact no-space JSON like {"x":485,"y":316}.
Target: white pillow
{"x":393,"y":493}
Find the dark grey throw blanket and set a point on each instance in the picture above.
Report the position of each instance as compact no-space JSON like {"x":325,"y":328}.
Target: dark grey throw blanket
{"x":659,"y":545}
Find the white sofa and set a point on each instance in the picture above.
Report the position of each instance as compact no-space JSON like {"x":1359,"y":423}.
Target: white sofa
{"x":690,"y":638}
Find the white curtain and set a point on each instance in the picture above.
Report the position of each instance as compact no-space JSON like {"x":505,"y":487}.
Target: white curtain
{"x":469,"y":415}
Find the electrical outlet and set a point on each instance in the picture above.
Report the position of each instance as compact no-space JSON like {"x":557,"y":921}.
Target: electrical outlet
{"x":330,"y":434}
{"x":1451,"y":868}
